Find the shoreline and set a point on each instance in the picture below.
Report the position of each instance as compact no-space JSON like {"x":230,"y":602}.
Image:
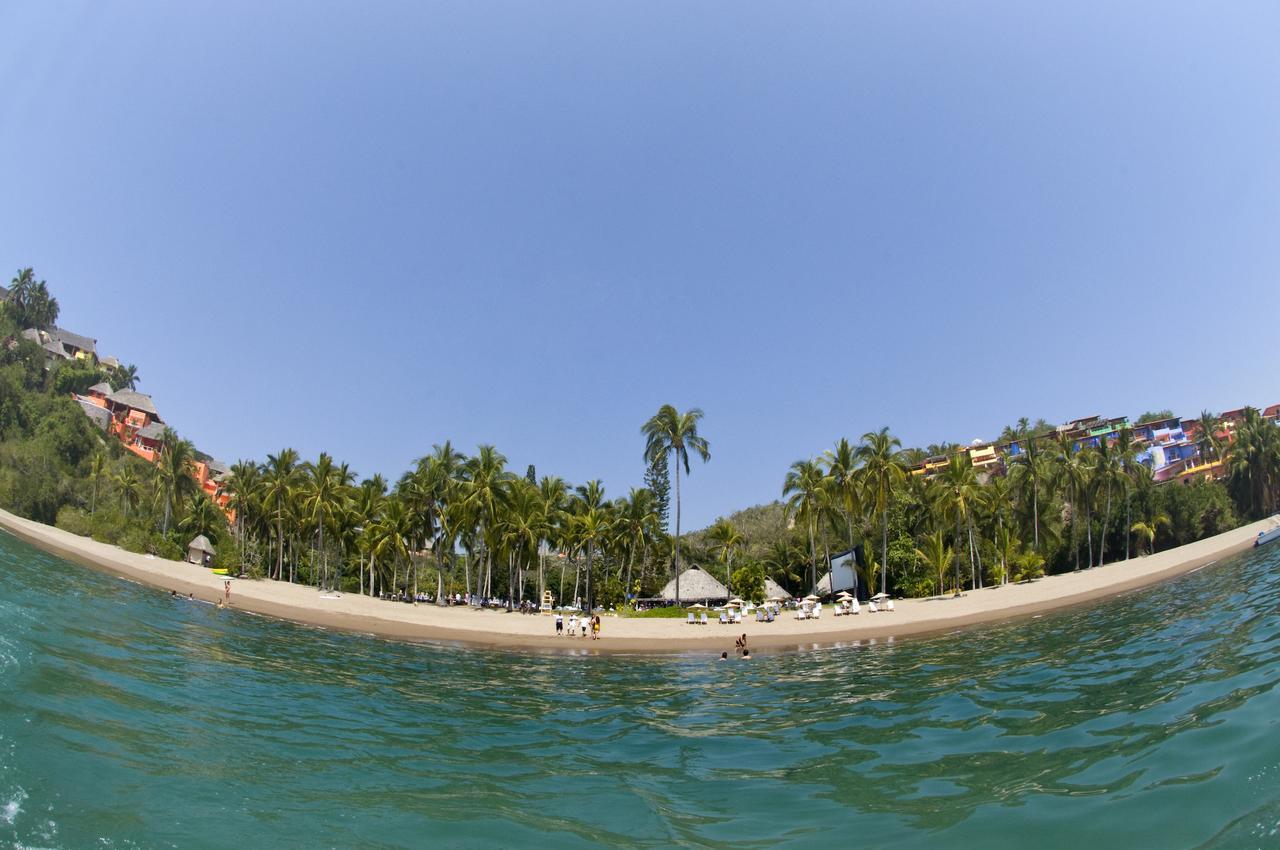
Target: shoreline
{"x":535,"y":633}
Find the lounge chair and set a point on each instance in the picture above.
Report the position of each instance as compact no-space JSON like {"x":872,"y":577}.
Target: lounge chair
{"x":871,"y":606}
{"x":724,"y":621}
{"x":759,"y":615}
{"x":817,"y":611}
{"x":888,"y":605}
{"x":737,"y":617}
{"x":704,"y":619}
{"x":855,"y":607}
{"x":691,"y":619}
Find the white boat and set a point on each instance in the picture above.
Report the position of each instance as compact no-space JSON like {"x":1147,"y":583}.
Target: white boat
{"x":1267,"y":536}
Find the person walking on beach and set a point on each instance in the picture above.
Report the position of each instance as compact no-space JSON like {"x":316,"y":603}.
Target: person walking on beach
{"x":226,"y":592}
{"x":595,"y":627}
{"x":573,"y":625}
{"x":559,"y":624}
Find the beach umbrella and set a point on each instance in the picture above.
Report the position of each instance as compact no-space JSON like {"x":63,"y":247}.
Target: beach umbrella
{"x":811,"y":598}
{"x":844,"y":594}
{"x":777,"y":599}
{"x":735,"y":602}
{"x":698,"y":605}
{"x":881,"y":596}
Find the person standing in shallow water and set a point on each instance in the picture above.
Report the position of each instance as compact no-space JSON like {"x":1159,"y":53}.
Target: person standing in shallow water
{"x":559,"y":624}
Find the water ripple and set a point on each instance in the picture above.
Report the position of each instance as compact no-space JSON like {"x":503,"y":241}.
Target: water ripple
{"x":1150,"y":718}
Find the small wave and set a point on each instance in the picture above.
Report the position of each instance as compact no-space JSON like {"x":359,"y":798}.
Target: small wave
{"x":13,"y":807}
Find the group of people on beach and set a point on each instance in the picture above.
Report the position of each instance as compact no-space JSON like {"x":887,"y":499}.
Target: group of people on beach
{"x":591,"y":624}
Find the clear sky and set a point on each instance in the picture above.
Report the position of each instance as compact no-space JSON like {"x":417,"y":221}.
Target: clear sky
{"x":365,"y":228}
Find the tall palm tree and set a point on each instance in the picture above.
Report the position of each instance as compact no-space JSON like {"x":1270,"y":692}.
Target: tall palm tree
{"x":675,"y":434}
{"x":97,"y":471}
{"x":638,"y":524}
{"x":369,"y":502}
{"x":242,"y":487}
{"x":174,"y":466}
{"x":1253,"y":464}
{"x":130,"y":486}
{"x":324,"y":497}
{"x":280,"y":479}
{"x":882,"y":472}
{"x":1208,"y":424}
{"x":806,"y":493}
{"x":958,"y":489}
{"x":842,"y":470}
{"x":1030,"y":470}
{"x":483,"y":489}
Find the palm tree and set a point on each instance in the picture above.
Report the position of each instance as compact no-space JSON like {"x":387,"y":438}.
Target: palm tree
{"x":593,"y":527}
{"x":1253,"y":464}
{"x":483,"y":490}
{"x":882,"y":472}
{"x":726,"y":540}
{"x":19,"y":293}
{"x":1030,"y":471}
{"x":97,"y":471}
{"x":805,"y":491}
{"x":324,"y":497}
{"x":279,"y":481}
{"x":842,"y":462}
{"x":174,"y":469}
{"x":638,"y":524}
{"x":958,"y":490}
{"x":1208,"y":424}
{"x":935,"y":553}
{"x":675,"y":434}
{"x":125,"y":377}
{"x":42,"y":308}
{"x":204,"y":517}
{"x":130,"y":487}
{"x":242,"y":487}
{"x":1146,"y":531}
{"x":369,"y":502}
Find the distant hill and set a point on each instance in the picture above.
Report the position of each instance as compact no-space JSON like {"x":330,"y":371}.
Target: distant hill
{"x":760,"y":525}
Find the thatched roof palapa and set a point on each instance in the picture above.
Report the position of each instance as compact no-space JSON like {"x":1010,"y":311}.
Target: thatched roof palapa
{"x":695,"y":584}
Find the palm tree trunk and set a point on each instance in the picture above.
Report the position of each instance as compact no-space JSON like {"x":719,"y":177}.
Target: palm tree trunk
{"x":1035,"y":511}
{"x":957,"y":551}
{"x":1088,"y":531}
{"x":884,"y":549}
{"x":590,"y":607}
{"x":1128,"y":520}
{"x":1102,"y":543}
{"x":676,"y":550}
{"x":279,"y":548}
{"x":813,"y":560}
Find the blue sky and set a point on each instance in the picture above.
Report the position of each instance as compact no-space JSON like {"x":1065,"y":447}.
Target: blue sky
{"x":368,"y":228}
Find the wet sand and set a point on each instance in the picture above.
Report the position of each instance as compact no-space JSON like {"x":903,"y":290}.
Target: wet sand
{"x":498,"y":629}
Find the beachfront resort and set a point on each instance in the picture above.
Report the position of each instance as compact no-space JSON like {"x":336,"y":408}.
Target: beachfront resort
{"x":856,"y":527}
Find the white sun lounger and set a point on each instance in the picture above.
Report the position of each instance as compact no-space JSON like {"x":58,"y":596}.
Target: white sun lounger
{"x":724,"y":621}
{"x":888,"y":605}
{"x":691,"y":619}
{"x":871,"y":606}
{"x":704,"y":619}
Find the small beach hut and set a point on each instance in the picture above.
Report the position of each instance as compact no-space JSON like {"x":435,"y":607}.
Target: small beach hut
{"x":200,"y":551}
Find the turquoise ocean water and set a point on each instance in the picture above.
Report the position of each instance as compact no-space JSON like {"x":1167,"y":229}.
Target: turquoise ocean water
{"x":129,"y":719}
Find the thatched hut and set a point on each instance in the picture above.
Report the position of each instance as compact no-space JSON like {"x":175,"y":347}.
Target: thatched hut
{"x":773,"y":590}
{"x":696,"y":586}
{"x":200,"y":551}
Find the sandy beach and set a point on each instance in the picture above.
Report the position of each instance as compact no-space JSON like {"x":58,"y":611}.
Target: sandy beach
{"x":427,"y":622}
